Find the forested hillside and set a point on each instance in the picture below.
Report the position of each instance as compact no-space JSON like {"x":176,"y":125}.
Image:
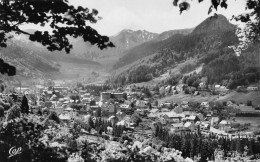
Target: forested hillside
{"x":209,"y":44}
{"x":150,"y":47}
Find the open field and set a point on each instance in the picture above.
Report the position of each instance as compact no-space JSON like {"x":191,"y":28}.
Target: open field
{"x":254,"y":122}
{"x":241,"y":97}
{"x":178,"y":98}
{"x":254,"y":96}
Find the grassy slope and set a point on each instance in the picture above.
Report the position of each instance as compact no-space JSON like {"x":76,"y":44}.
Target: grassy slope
{"x":238,"y":97}
{"x":178,"y":98}
{"x":243,"y":97}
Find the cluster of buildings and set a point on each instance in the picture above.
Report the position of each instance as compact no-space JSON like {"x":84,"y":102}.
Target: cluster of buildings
{"x":120,"y":104}
{"x":183,"y":118}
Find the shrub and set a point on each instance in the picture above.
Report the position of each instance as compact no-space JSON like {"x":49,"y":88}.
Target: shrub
{"x":54,"y":116}
{"x":13,"y":113}
{"x":249,"y":103}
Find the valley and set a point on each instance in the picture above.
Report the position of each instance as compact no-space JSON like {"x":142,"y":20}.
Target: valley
{"x":134,"y":81}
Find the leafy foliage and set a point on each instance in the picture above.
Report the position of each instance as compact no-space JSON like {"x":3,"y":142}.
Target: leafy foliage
{"x":64,"y":20}
{"x":6,"y":68}
{"x":74,"y":97}
{"x":197,"y":144}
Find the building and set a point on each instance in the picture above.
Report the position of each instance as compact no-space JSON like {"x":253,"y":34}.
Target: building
{"x":125,"y":106}
{"x":219,"y":88}
{"x":168,"y":89}
{"x":105,"y":96}
{"x":172,"y":117}
{"x":252,"y":88}
{"x":247,"y":109}
{"x":142,"y":104}
{"x":224,"y":124}
{"x":121,"y":115}
{"x":202,"y":85}
{"x":154,"y":111}
{"x":214,"y":120}
{"x":217,"y":131}
{"x":189,"y":126}
{"x":193,"y":119}
{"x":177,"y":126}
{"x":119,"y":96}
{"x":152,"y":115}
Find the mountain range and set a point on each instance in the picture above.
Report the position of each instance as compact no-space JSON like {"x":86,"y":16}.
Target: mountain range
{"x":207,"y":46}
{"x":138,"y":56}
{"x":124,"y":41}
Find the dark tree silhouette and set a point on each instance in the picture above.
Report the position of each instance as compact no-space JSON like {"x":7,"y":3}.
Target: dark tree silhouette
{"x":75,"y":97}
{"x":63,"y":19}
{"x":2,"y":111}
{"x":25,"y":106}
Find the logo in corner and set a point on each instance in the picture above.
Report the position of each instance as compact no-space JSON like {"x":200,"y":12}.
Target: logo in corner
{"x":13,"y":151}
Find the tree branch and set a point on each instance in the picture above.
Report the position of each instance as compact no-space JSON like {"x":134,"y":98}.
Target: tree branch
{"x":20,"y":31}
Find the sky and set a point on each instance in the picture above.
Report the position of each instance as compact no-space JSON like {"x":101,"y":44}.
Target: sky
{"x":152,"y":15}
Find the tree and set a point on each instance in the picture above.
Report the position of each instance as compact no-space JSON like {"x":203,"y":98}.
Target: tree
{"x":156,"y":88}
{"x":25,"y":106}
{"x":62,"y":18}
{"x":99,"y":112}
{"x":2,"y":111}
{"x":156,"y":103}
{"x":147,"y":92}
{"x":2,"y":86}
{"x":249,"y":103}
{"x":54,"y":116}
{"x":136,"y":119}
{"x":190,"y":80}
{"x":196,"y":84}
{"x":74,"y":97}
{"x":250,"y":34}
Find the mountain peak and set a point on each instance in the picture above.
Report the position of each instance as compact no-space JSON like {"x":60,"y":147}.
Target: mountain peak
{"x":130,"y":31}
{"x":127,"y":31}
{"x":214,"y":23}
{"x":128,"y":38}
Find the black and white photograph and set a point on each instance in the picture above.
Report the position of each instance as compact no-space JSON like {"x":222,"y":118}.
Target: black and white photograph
{"x":129,"y":81}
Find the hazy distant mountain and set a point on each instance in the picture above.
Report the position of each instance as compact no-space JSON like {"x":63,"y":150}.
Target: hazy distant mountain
{"x":128,"y":38}
{"x":124,"y":40}
{"x":33,"y":61}
{"x":29,"y":64}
